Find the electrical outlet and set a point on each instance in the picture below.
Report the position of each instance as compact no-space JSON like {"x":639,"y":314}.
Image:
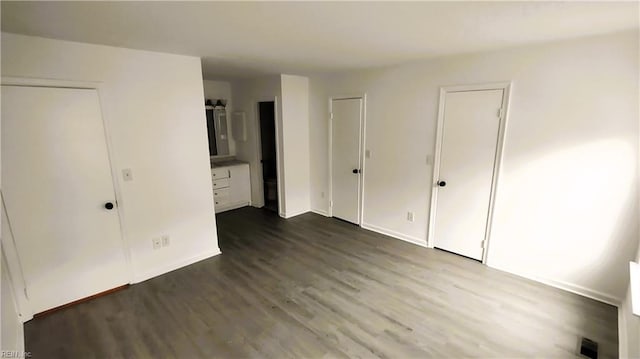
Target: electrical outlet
{"x":127,"y":175}
{"x":157,"y":243}
{"x":321,"y":194}
{"x":166,"y":241}
{"x":410,"y":216}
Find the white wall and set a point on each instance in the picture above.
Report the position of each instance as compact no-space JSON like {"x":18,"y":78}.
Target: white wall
{"x":215,"y":90}
{"x":292,"y":126}
{"x":295,"y":128}
{"x":153,"y":106}
{"x":318,"y":145}
{"x":246,"y":95}
{"x":565,"y":211}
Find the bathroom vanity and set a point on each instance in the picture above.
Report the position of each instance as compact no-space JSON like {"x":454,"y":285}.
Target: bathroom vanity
{"x":231,"y":185}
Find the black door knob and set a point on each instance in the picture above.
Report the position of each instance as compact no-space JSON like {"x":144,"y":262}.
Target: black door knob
{"x":442,"y":183}
{"x":355,"y":170}
{"x":108,"y":205}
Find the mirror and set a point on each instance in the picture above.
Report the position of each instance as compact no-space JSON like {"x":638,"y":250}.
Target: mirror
{"x":217,"y":128}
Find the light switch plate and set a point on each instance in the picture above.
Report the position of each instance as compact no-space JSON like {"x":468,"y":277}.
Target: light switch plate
{"x":367,"y":154}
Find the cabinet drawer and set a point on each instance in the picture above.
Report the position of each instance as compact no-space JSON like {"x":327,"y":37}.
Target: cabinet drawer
{"x":220,"y":183}
{"x":220,"y":201}
{"x":217,"y":173}
{"x":221,"y":193}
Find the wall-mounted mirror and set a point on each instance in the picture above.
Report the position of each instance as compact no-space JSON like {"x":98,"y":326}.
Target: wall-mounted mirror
{"x":217,"y":129}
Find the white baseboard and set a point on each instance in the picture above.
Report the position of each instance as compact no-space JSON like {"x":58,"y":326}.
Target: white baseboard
{"x":293,"y":214}
{"x":141,"y":277}
{"x":233,"y":206}
{"x":320,"y":212}
{"x":387,"y":232}
{"x":569,"y":287}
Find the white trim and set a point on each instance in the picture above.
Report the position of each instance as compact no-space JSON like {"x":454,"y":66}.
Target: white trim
{"x":14,"y":266}
{"x":279,"y":155}
{"x":500,"y":85}
{"x":634,"y":288}
{"x":397,"y":235}
{"x":294,"y":214}
{"x":146,"y":275}
{"x":232,"y":206}
{"x":19,"y":324}
{"x":320,"y":212}
{"x":497,"y":167}
{"x":569,"y":287}
{"x":47,"y":82}
{"x":361,"y":148}
{"x":623,"y":335}
{"x":506,"y":87}
{"x":363,"y":142}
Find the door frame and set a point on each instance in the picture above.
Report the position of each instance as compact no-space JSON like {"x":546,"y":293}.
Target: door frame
{"x":279,"y":156}
{"x":13,"y":260}
{"x":506,"y":86}
{"x":361,"y":146}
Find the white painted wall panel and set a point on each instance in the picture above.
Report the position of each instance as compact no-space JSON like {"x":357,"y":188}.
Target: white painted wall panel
{"x":153,"y":104}
{"x":295,"y":128}
{"x":566,"y":210}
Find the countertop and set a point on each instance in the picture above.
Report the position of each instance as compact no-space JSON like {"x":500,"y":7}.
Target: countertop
{"x":227,"y":163}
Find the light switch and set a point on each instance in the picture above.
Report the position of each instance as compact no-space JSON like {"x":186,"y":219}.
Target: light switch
{"x":127,"y":175}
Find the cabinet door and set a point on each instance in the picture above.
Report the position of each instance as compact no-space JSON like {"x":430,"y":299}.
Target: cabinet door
{"x":240,"y":188}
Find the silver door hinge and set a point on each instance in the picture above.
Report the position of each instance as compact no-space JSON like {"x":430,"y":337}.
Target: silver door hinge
{"x":331,"y":116}
{"x":330,"y":203}
{"x":500,"y":112}
{"x":25,"y":293}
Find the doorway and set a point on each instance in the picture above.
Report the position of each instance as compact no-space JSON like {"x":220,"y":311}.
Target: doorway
{"x":61,"y":180}
{"x":346,"y":158}
{"x":468,"y":152}
{"x":267,"y":120}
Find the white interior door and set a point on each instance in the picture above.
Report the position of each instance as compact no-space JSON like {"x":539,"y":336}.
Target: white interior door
{"x":56,"y":184}
{"x":467,"y":158}
{"x":345,"y":158}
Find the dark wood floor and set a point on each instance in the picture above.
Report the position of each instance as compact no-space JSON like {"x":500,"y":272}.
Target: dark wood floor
{"x":312,"y":287}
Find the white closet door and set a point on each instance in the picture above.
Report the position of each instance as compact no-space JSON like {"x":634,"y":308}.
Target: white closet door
{"x":467,"y":158}
{"x":345,"y":159}
{"x":56,"y":182}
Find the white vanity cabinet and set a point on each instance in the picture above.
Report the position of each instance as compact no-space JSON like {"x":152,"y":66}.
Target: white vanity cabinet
{"x":231,"y":187}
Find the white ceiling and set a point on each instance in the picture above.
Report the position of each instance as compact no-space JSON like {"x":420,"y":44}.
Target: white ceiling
{"x":242,"y":39}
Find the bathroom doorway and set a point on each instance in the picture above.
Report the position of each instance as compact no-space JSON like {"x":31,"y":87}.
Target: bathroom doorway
{"x":266,"y":117}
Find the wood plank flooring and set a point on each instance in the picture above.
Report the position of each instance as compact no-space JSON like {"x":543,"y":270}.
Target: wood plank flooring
{"x":316,"y":287}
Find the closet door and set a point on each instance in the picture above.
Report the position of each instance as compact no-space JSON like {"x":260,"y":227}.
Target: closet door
{"x":59,"y":194}
{"x":467,"y":160}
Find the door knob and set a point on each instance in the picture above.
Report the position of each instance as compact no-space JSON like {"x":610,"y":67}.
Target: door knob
{"x":442,"y":183}
{"x":355,"y":170}
{"x":108,"y":205}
